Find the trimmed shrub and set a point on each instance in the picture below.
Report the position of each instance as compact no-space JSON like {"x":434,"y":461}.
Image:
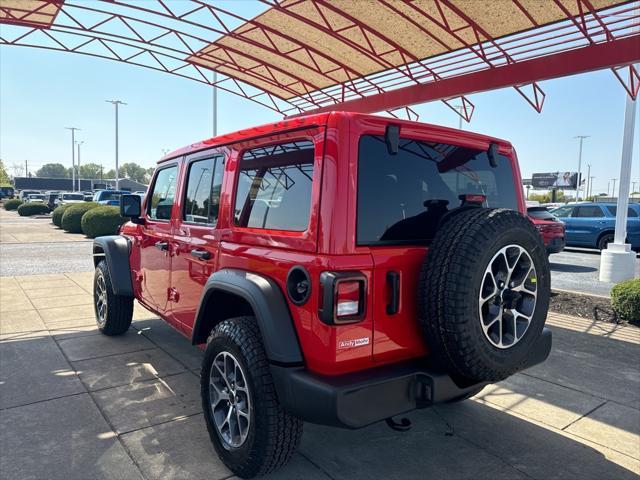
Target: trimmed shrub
{"x":28,"y":209}
{"x":56,"y":217}
{"x":102,"y":221}
{"x":12,"y":204}
{"x":625,"y":300}
{"x":72,"y":216}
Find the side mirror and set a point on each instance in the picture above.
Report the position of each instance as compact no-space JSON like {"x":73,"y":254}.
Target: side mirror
{"x":131,"y":207}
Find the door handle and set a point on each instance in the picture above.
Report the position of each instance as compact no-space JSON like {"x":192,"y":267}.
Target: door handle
{"x":393,"y":280}
{"x":201,"y":254}
{"x":163,"y":246}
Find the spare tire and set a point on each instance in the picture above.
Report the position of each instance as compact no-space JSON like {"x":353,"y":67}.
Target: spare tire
{"x":484,"y":294}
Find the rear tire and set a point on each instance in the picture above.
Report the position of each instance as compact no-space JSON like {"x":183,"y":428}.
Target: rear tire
{"x":113,"y":312}
{"x":484,"y":294}
{"x":605,"y":240}
{"x":258,"y":436}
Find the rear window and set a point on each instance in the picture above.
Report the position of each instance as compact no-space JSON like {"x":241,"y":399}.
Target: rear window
{"x":540,"y":214}
{"x":401,"y":198}
{"x":274,"y":187}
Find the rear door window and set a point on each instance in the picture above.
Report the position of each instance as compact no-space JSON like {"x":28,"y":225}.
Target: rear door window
{"x":163,"y":194}
{"x":202,"y":196}
{"x":401,"y":198}
{"x":274,"y":187}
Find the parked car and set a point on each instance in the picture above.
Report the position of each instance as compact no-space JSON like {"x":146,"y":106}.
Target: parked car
{"x":593,"y":224}
{"x":550,"y":227}
{"x":88,"y":196}
{"x":69,"y":197}
{"x":24,"y":194}
{"x":35,"y":198}
{"x":108,"y":197}
{"x":340,"y":270}
{"x":50,"y":198}
{"x":7,"y":192}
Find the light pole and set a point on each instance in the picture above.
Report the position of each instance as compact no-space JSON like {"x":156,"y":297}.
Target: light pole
{"x":73,"y":156}
{"x":586,"y":183}
{"x":116,"y":103}
{"x":613,"y":190}
{"x":591,"y":185}
{"x":581,"y":137}
{"x":79,"y":186}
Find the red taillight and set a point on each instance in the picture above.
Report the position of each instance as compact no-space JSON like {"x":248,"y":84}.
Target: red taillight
{"x":348,"y":296}
{"x":342,"y":297}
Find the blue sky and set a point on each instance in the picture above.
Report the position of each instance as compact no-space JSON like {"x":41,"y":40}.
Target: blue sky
{"x":41,"y":92}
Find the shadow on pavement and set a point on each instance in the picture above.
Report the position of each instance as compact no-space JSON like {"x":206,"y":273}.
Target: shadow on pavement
{"x":562,"y":267}
{"x":66,"y":395}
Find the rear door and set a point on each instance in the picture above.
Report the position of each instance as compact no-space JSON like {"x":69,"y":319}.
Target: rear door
{"x":401,"y":200}
{"x":196,"y":240}
{"x":155,"y":243}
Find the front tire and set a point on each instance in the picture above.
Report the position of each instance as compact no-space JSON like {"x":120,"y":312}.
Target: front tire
{"x":248,"y":427}
{"x":113,"y":312}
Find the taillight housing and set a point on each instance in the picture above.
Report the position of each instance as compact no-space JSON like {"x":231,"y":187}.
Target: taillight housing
{"x":343,"y":297}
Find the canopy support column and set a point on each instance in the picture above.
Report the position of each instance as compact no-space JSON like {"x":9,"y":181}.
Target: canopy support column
{"x":617,"y":261}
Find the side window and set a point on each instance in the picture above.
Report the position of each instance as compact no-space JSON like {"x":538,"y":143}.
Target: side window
{"x":613,"y":210}
{"x":163,"y":194}
{"x":274,"y":187}
{"x":589,"y":211}
{"x":202,"y":196}
{"x":563,"y":211}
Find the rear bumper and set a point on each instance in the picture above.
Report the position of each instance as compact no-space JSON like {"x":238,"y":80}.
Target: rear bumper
{"x":556,"y":245}
{"x":359,"y":399}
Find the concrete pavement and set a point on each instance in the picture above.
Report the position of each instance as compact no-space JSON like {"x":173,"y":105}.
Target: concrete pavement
{"x":75,"y":404}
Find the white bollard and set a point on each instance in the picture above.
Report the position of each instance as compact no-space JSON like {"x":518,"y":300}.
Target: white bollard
{"x":617,"y":263}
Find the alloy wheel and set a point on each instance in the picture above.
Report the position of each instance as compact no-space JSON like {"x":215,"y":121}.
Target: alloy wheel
{"x":507,"y":299}
{"x":230,"y":400}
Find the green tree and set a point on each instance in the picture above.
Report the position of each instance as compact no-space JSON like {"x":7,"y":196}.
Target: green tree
{"x":4,"y":177}
{"x":111,"y":174}
{"x":90,"y":170}
{"x":53,"y":170}
{"x":133,"y":171}
{"x":149,"y":175}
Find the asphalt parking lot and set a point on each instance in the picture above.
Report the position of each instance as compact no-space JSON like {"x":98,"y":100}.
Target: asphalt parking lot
{"x":577,"y":269}
{"x":75,"y":404}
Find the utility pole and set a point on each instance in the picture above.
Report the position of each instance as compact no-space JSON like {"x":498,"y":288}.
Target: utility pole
{"x":586,"y":183}
{"x":116,"y":103}
{"x":591,"y":185}
{"x":633,"y":187}
{"x":26,"y":169}
{"x":215,"y":104}
{"x":581,"y":137}
{"x":613,"y":191}
{"x":459,"y":109}
{"x":73,"y":156}
{"x":79,"y":186}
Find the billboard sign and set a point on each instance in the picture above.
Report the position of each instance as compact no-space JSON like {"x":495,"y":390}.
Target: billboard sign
{"x":559,"y":180}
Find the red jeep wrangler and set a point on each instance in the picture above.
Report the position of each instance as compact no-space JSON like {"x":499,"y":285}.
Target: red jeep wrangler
{"x":338,"y":269}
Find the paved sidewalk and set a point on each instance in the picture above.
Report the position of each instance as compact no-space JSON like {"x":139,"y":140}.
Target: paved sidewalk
{"x":75,"y":404}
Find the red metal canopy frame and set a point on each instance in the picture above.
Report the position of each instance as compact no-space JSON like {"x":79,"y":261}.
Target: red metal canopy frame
{"x":303,"y":56}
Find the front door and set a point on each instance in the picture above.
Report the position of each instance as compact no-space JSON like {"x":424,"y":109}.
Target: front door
{"x":156,"y":246}
{"x":195,"y":236}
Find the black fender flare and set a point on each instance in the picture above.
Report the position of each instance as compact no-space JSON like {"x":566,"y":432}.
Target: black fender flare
{"x":269,"y":306}
{"x":115,"y":250}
